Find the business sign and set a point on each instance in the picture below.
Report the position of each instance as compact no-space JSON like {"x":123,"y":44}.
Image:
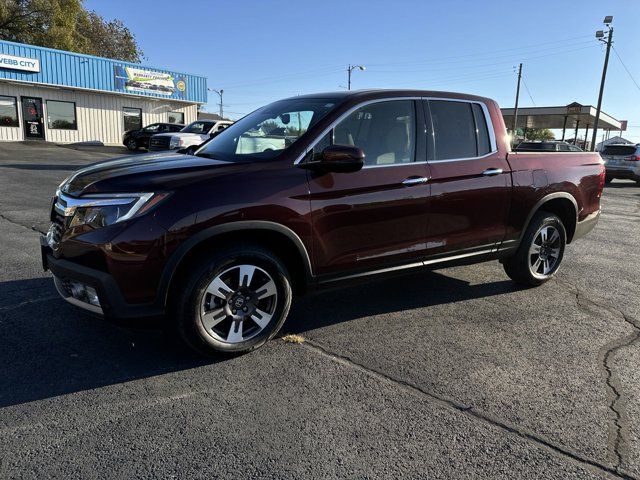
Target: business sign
{"x":623,"y":125}
{"x":19,"y":63}
{"x":131,"y":79}
{"x":574,"y":108}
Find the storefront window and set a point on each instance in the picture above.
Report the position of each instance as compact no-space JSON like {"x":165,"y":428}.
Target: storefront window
{"x":176,"y":117}
{"x":61,"y":115}
{"x":132,"y":118}
{"x":8,"y":112}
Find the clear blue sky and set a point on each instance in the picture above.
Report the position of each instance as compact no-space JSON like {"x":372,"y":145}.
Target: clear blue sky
{"x":259,"y":51}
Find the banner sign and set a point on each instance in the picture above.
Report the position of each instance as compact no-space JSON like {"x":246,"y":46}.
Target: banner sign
{"x":19,"y":63}
{"x":132,"y":79}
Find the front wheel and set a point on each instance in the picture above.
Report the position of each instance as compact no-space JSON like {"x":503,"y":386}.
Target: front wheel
{"x":234,"y":302}
{"x":540,"y":252}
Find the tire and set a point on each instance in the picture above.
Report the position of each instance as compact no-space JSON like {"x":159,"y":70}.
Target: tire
{"x":132,"y":145}
{"x":521,"y":267}
{"x":236,"y":318}
{"x":608,"y":179}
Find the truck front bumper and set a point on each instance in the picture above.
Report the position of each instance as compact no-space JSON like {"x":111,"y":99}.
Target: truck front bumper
{"x":92,"y":290}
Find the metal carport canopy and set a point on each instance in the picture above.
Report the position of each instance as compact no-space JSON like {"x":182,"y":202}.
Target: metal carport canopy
{"x":568,"y":117}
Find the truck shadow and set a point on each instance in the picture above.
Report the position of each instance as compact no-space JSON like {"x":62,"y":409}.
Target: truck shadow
{"x":48,"y":348}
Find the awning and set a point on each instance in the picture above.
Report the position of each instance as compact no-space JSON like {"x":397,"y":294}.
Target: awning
{"x":568,"y":117}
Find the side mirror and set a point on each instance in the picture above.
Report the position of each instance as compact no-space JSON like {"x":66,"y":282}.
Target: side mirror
{"x":338,"y":159}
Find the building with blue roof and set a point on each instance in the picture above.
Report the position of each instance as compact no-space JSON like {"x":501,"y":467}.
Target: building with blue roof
{"x":67,"y":97}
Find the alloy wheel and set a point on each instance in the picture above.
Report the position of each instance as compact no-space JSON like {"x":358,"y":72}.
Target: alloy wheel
{"x":544,"y":252}
{"x":238,"y":304}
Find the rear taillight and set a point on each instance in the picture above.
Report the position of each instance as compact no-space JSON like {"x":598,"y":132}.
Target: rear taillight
{"x":632,"y":158}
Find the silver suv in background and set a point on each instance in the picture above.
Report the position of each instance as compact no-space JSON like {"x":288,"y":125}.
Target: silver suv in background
{"x":622,"y":161}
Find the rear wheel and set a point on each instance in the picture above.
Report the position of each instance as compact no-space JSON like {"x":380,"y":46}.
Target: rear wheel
{"x":234,"y":302}
{"x":132,"y":144}
{"x":540,"y":253}
{"x":608,"y":179}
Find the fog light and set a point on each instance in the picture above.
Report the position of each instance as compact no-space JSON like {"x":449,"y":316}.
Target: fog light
{"x":84,"y":293}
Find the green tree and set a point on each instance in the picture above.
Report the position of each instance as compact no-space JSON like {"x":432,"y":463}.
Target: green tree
{"x":539,"y":134}
{"x":67,"y":25}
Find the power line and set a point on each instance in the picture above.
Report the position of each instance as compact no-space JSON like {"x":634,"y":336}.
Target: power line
{"x":625,"y":67}
{"x":528,"y":92}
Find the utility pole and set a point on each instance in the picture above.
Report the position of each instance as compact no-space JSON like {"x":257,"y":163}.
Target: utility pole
{"x":219,"y":92}
{"x":514,"y":130}
{"x":600,"y":36}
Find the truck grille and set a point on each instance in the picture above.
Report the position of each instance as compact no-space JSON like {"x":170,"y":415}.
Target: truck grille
{"x":159,"y":143}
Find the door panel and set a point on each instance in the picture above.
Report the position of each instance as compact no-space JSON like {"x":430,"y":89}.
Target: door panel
{"x":32,"y":118}
{"x":368,"y":217}
{"x":371,"y":218}
{"x":469,"y":196}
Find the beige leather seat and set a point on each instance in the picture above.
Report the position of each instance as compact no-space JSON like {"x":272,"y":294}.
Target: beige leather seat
{"x":397,"y":142}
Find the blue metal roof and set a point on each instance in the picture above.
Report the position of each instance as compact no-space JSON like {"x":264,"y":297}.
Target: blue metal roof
{"x":75,"y":70}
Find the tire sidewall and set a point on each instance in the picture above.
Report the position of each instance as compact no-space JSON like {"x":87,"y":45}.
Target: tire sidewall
{"x":196,"y":334}
{"x":542,"y":220}
{"x":132,"y":145}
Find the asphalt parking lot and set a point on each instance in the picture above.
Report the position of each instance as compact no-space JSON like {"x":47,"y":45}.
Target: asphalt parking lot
{"x":449,"y":374}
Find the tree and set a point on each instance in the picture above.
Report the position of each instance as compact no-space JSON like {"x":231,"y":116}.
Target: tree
{"x":67,"y":25}
{"x":539,"y":134}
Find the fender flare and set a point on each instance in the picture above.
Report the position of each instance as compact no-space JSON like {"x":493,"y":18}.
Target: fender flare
{"x":542,"y":201}
{"x":179,"y":254}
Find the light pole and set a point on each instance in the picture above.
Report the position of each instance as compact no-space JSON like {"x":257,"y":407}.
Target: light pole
{"x":219,"y":92}
{"x":350,"y":69}
{"x":605,"y":37}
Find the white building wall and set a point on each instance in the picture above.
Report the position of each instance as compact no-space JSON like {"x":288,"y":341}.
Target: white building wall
{"x":99,"y":115}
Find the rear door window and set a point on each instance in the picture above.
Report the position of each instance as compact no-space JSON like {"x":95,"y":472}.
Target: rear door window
{"x":454,"y":129}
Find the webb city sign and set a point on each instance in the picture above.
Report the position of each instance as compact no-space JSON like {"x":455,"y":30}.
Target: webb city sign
{"x":19,"y":63}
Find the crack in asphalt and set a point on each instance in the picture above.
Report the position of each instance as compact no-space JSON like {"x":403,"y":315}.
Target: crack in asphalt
{"x":617,"y":399}
{"x":468,"y":410}
{"x":32,"y":227}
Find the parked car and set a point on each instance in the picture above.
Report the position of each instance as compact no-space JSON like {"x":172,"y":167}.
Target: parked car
{"x":190,"y":137}
{"x":135,"y":139}
{"x":547,"y":147}
{"x":622,"y":161}
{"x":345,"y":187}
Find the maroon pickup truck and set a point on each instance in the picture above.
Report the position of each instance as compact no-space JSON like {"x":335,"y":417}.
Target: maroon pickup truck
{"x":305,"y":193}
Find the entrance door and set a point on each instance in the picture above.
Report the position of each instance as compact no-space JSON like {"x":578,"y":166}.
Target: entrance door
{"x":32,"y":118}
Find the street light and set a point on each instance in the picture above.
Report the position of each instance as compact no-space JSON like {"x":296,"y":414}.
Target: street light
{"x":219,"y":92}
{"x":604,"y":37}
{"x":350,"y":69}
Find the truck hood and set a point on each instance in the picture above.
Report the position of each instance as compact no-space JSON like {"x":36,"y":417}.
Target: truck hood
{"x":143,"y":173}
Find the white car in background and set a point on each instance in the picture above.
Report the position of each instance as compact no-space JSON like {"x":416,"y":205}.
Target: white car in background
{"x":189,"y":137}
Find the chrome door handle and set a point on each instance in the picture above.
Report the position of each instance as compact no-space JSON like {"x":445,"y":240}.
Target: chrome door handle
{"x":414,"y":181}
{"x":489,"y":172}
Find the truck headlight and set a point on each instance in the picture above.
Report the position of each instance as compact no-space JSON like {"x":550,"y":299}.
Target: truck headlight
{"x":98,"y":211}
{"x":176,"y":142}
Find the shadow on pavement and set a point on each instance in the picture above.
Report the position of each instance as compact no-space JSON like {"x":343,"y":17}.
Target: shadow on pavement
{"x":409,"y":292}
{"x":49,"y":348}
{"x":40,"y":166}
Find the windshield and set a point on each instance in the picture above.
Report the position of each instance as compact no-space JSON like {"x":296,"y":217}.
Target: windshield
{"x":268,"y":131}
{"x":198,"y":127}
